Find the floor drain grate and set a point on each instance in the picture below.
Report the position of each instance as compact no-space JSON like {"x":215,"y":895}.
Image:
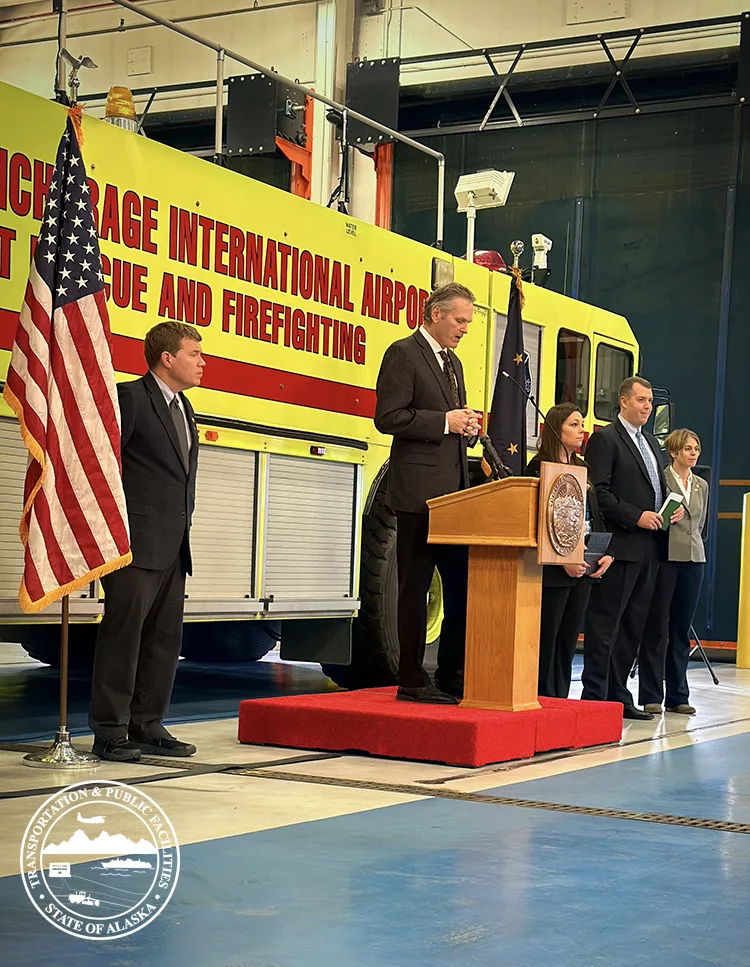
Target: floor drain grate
{"x":665,"y":819}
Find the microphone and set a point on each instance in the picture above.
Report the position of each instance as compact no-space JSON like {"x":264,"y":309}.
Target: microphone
{"x":533,"y":402}
{"x":496,"y":465}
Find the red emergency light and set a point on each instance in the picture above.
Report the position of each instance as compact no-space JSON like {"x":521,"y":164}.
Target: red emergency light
{"x":490,"y":260}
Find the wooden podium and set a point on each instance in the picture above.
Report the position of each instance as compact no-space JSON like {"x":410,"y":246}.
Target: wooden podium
{"x":505,"y":526}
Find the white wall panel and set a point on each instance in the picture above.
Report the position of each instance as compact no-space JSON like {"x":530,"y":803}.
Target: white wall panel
{"x":283,"y":38}
{"x":444,"y":25}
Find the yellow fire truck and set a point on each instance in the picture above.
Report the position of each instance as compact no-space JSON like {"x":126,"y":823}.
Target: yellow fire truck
{"x":296,"y":304}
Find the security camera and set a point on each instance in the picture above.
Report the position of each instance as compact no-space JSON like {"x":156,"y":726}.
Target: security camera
{"x":541,"y":245}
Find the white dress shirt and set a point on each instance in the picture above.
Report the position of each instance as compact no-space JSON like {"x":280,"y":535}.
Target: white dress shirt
{"x":169,"y":394}
{"x":437,"y":349}
{"x":687,"y":491}
{"x":633,"y":431}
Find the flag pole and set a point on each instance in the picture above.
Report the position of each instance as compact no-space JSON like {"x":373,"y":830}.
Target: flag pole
{"x":61,"y":754}
{"x":64,"y":639}
{"x":49,"y":308}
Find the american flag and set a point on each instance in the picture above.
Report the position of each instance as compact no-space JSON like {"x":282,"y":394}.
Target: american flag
{"x":61,"y":387}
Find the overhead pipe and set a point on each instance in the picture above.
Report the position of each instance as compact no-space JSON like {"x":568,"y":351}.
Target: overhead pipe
{"x":219,"y":134}
{"x":308,"y":92}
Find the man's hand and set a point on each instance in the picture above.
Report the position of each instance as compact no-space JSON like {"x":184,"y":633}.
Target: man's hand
{"x":603,"y":563}
{"x":464,"y":422}
{"x":650,"y":520}
{"x":677,"y":515}
{"x":575,"y":570}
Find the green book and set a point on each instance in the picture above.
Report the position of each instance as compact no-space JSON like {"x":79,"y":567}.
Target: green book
{"x":669,"y":506}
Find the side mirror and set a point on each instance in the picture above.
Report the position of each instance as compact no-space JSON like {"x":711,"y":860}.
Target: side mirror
{"x":662,"y":422}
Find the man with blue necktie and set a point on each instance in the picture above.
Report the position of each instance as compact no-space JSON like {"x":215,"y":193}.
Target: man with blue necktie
{"x":625,"y":467}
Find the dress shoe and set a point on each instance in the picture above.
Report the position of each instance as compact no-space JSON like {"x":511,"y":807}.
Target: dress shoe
{"x":164,"y":744}
{"x":426,"y":694}
{"x":631,"y":712}
{"x":653,"y":708}
{"x":118,"y":749}
{"x":682,"y":709}
{"x":454,"y":688}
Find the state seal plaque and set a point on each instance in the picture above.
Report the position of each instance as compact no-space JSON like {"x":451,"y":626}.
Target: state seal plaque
{"x":565,"y":514}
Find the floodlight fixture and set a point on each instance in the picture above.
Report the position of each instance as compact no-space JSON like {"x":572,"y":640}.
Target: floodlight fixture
{"x":483,"y":189}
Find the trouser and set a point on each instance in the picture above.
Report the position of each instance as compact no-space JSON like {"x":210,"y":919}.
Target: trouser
{"x":615,"y":618}
{"x":563,"y":609}
{"x":137,"y":650}
{"x":417,"y":561}
{"x":665,"y":648}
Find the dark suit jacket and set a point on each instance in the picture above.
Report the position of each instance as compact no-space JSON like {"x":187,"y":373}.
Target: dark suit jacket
{"x":159,"y":492}
{"x":553,"y":575}
{"x":624,"y":489}
{"x":413,"y":396}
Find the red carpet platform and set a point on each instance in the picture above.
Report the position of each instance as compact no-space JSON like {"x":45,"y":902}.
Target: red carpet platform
{"x":371,"y":720}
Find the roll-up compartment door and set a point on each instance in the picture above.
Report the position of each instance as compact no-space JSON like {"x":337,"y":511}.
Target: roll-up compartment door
{"x":13,"y":461}
{"x":309,"y":540}
{"x":222,"y":535}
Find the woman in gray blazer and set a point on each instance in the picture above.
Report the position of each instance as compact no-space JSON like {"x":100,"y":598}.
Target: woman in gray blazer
{"x":680,"y":578}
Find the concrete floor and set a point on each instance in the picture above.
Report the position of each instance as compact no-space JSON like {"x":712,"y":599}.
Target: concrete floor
{"x":356,"y":861}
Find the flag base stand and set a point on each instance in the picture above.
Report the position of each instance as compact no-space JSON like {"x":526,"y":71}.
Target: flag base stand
{"x":62,"y":755}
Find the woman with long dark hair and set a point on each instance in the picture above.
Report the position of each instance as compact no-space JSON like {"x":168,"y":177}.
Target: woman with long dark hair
{"x":565,"y":590}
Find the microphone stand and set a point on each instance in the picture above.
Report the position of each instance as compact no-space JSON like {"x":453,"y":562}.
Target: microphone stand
{"x":533,"y":402}
{"x":498,"y":469}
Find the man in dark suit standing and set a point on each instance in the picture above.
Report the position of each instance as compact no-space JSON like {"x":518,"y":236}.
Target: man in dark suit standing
{"x":625,"y":467}
{"x":421,"y":402}
{"x":140,"y":636}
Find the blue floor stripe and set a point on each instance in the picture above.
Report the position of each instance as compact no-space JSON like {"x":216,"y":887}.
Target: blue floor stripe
{"x":710,"y":780}
{"x":434,"y":883}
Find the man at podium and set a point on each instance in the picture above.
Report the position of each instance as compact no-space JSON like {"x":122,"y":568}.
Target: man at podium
{"x":421,"y":403}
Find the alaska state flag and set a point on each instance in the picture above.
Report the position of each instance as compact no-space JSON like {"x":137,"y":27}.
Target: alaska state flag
{"x":507,"y":429}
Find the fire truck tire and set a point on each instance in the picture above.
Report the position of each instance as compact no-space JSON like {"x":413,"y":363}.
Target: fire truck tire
{"x":214,"y":642}
{"x":43,"y":643}
{"x":224,"y":642}
{"x":374,"y":634}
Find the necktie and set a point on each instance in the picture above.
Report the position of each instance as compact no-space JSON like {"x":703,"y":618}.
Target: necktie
{"x":179,"y":424}
{"x":652,"y":471}
{"x":450,"y":373}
